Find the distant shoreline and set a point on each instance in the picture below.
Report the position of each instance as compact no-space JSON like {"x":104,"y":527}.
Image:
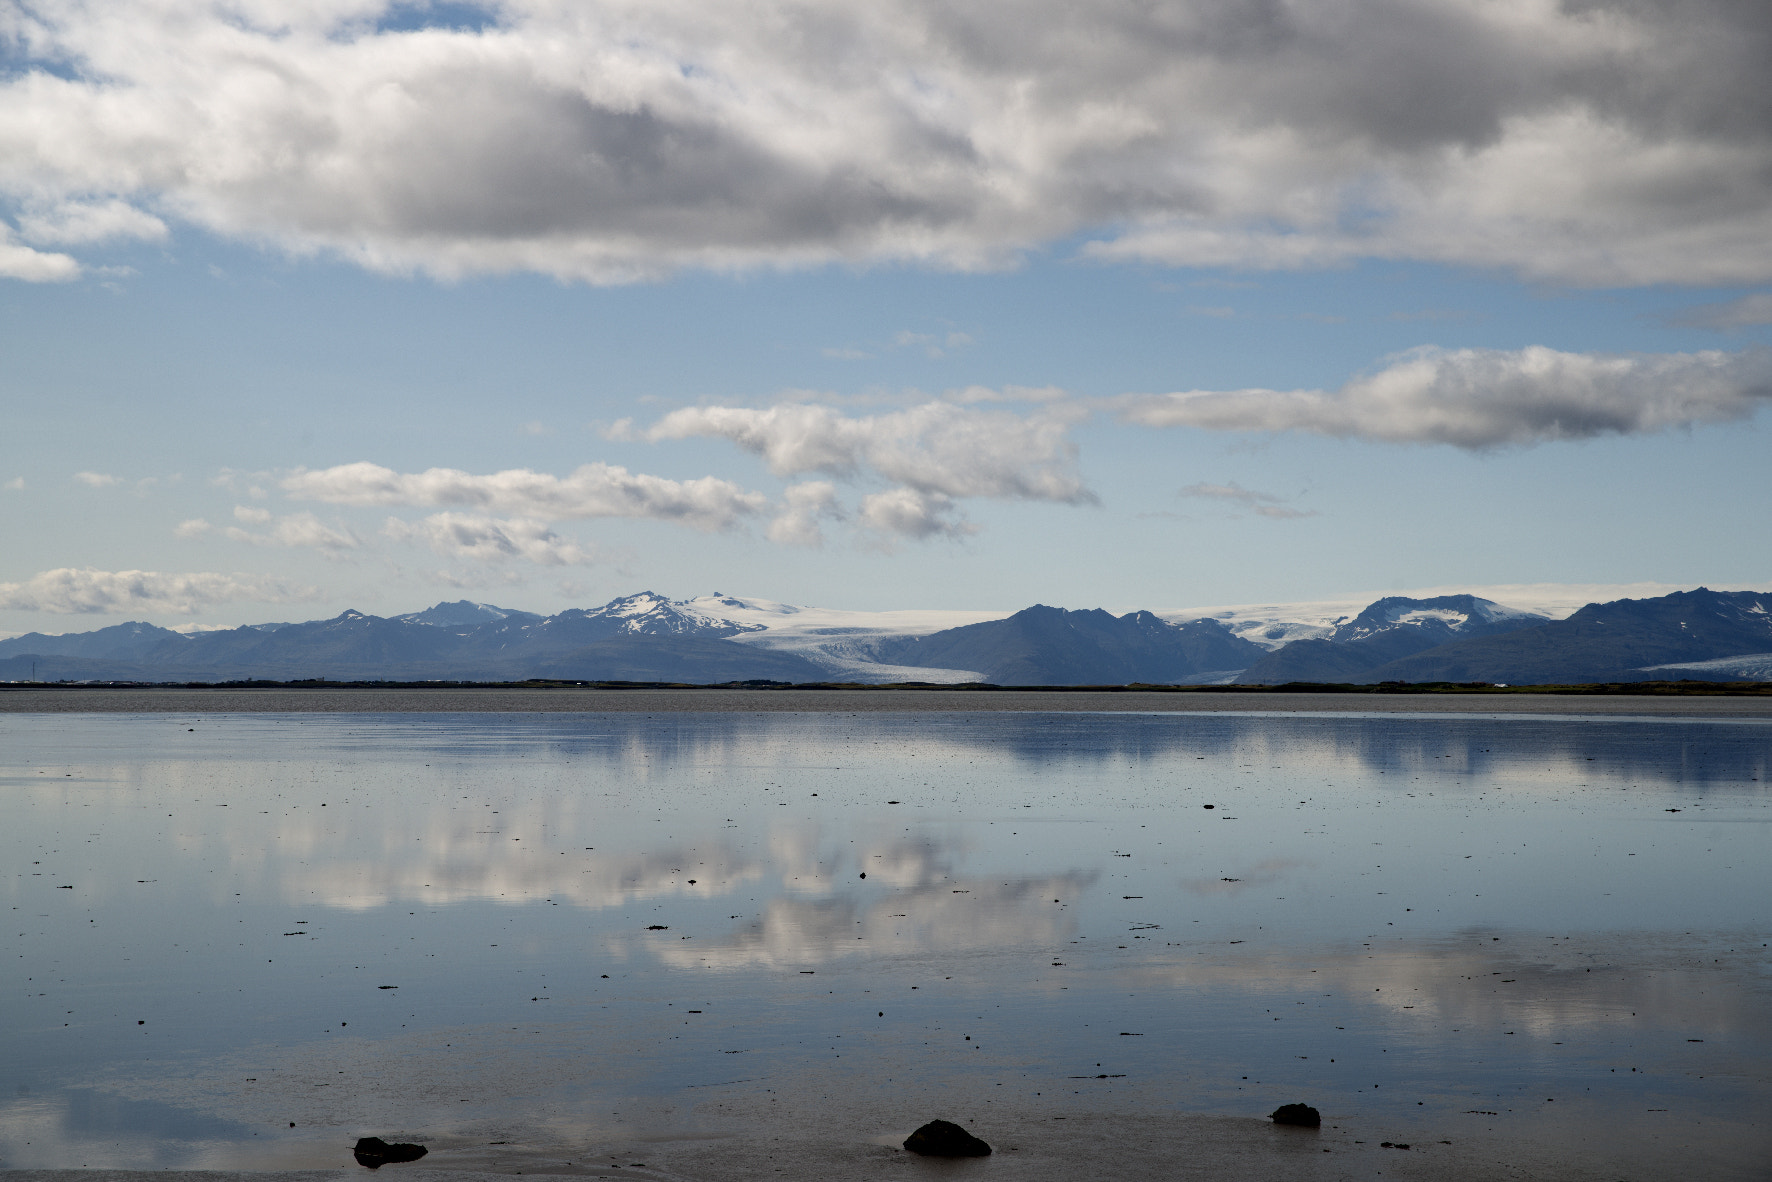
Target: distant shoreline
{"x":1702,"y":699}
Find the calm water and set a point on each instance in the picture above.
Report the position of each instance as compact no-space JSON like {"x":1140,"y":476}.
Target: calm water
{"x":1460,"y":926}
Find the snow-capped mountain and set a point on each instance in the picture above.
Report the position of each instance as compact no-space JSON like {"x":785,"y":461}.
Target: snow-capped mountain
{"x":718,"y":638}
{"x":651,"y":614}
{"x":847,"y":643}
{"x":462,"y":614}
{"x":1274,"y":625}
{"x":1444,"y":615}
{"x":1386,"y":630}
{"x":1623,"y":640}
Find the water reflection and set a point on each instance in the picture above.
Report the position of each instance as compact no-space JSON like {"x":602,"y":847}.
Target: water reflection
{"x":1459,"y":902}
{"x":642,"y":747}
{"x":1257,"y":876}
{"x":91,"y":1127}
{"x":965,"y":915}
{"x":1477,"y":983}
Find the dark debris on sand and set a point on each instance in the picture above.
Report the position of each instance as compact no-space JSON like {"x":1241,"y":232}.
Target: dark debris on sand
{"x":941,"y":1138}
{"x":374,"y":1153}
{"x":1302,"y":1115}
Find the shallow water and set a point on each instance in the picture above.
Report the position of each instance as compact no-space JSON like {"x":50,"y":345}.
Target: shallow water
{"x":1544,"y":929}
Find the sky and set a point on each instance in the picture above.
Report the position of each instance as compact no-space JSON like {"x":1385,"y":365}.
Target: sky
{"x":1095,"y":303}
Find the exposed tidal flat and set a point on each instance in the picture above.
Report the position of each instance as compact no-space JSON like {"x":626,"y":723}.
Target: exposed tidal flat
{"x":1523,"y":937}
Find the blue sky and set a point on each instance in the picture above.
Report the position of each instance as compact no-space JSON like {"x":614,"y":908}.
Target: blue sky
{"x":1116,"y":344}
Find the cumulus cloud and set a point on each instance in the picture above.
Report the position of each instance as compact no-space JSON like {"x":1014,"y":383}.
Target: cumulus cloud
{"x":934,"y":454}
{"x":593,"y":490}
{"x":937,"y":444}
{"x":18,"y":261}
{"x":96,"y":479}
{"x":195,"y":527}
{"x":1605,"y":141}
{"x":1260,"y":503}
{"x":78,"y":223}
{"x":913,"y":513}
{"x":489,"y":540}
{"x":295,"y":530}
{"x":804,"y":506}
{"x":67,"y":591}
{"x":16,"y":484}
{"x":1487,"y":398}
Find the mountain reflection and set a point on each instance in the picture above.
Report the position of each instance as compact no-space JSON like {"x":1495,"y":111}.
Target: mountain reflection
{"x":1637,"y":750}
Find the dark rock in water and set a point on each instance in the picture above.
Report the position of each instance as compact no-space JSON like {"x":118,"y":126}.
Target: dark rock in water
{"x":375,"y":1153}
{"x":941,"y":1138}
{"x":1298,"y":1114}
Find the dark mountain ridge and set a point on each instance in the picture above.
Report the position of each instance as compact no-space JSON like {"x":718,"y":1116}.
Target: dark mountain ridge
{"x":451,"y":641}
{"x":1616,"y":641}
{"x":1043,"y":645}
{"x":130,"y":641}
{"x":1389,"y":629}
{"x":645,"y":637}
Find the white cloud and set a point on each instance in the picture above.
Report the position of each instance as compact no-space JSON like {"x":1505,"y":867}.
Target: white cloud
{"x":16,"y":484}
{"x":295,"y":530}
{"x":593,"y":490}
{"x":1746,"y":312}
{"x":96,"y":479}
{"x":78,"y":223}
{"x":72,"y":592}
{"x":935,"y":453}
{"x":803,"y":506}
{"x":936,"y":447}
{"x":913,"y":513}
{"x":1260,"y":503}
{"x":251,"y":514}
{"x":614,"y":139}
{"x":33,"y":266}
{"x":489,"y":540}
{"x":1486,"y":398}
{"x":196,"y":527}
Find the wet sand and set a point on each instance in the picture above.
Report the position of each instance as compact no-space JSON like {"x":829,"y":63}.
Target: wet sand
{"x":1027,"y":1147}
{"x":408,"y":700}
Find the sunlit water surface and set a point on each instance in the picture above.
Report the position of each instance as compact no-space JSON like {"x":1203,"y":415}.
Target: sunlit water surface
{"x":239,"y":941}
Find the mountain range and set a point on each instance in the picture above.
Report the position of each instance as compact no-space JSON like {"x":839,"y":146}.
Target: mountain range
{"x":1701,"y":634}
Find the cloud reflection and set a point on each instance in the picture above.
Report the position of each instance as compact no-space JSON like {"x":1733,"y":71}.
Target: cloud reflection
{"x":1481,"y":982}
{"x":967,"y":914}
